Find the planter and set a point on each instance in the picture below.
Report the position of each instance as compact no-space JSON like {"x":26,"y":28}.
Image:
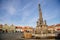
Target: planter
{"x":27,"y":35}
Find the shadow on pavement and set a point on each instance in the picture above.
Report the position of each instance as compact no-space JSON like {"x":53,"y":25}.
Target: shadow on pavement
{"x":58,"y":37}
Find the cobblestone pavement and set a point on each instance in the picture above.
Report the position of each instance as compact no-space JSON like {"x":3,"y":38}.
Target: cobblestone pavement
{"x":10,"y":36}
{"x":16,"y":36}
{"x":39,"y":39}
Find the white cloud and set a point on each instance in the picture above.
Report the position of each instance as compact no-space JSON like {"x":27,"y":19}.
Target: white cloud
{"x":32,"y":21}
{"x":25,"y":12}
{"x":5,"y":19}
{"x":53,"y":15}
{"x":11,"y":10}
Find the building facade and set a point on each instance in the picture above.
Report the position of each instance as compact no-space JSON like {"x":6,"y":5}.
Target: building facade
{"x":1,"y":26}
{"x":57,"y":27}
{"x":5,"y":28}
{"x":12,"y":28}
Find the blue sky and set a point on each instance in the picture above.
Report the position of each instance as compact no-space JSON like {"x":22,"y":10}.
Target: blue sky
{"x":25,"y":12}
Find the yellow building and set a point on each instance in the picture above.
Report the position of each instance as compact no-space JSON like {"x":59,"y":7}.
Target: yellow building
{"x":12,"y":28}
{"x":5,"y":28}
{"x":8,"y":28}
{"x":1,"y":27}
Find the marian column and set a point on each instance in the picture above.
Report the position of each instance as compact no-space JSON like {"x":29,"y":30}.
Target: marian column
{"x":40,"y":21}
{"x":41,"y":27}
{"x":40,"y":16}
